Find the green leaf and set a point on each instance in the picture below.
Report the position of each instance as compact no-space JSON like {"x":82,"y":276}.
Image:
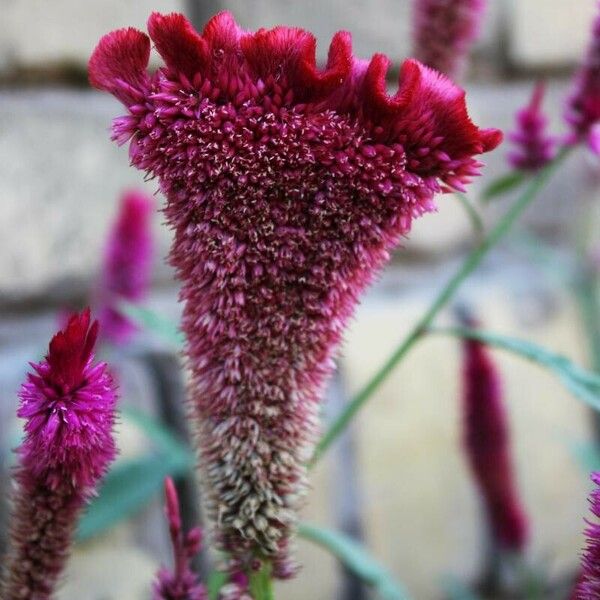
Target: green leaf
{"x":503,"y":185}
{"x":357,"y":559}
{"x":131,"y":484}
{"x":587,"y":454}
{"x":583,"y":384}
{"x":152,"y":321}
{"x":456,"y":590}
{"x":216,"y":580}
{"x":472,"y":213}
{"x":261,"y":583}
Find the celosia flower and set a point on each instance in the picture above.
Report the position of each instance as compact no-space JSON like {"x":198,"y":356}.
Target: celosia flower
{"x":127,"y":264}
{"x":181,"y":583}
{"x":287,"y":187}
{"x":583,"y":108}
{"x":68,"y":402}
{"x":444,"y":31}
{"x":589,"y":583}
{"x":534,"y":147}
{"x":487,"y":446}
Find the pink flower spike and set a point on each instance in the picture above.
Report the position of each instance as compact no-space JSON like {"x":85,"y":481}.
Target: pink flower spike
{"x":127,"y":265}
{"x":68,"y":403}
{"x":444,"y":31}
{"x":583,"y":107}
{"x":589,"y":583}
{"x":534,"y":148}
{"x":487,"y":446}
{"x":287,"y":188}
{"x":181,"y":583}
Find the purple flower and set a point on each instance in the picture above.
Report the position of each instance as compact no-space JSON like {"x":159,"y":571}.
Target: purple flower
{"x":287,"y":187}
{"x":583,"y":108}
{"x":444,"y":31}
{"x":589,"y":582}
{"x":487,"y":445}
{"x":181,"y":583}
{"x":127,"y":264}
{"x":534,"y":148}
{"x":68,"y":403}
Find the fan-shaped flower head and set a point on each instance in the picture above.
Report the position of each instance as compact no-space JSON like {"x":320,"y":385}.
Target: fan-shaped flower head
{"x":583,"y":108}
{"x":444,"y":31}
{"x":487,"y":445}
{"x":287,"y":187}
{"x":127,"y":264}
{"x":534,"y":148}
{"x":68,"y":403}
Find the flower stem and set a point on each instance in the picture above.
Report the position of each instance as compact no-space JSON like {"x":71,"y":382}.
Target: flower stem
{"x":470,"y":264}
{"x":261,"y":584}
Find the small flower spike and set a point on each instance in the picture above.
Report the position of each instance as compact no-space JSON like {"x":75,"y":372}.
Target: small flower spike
{"x":181,"y":583}
{"x":583,"y":107}
{"x":127,"y":264}
{"x":588,"y":587}
{"x":287,"y":188}
{"x":444,"y":31}
{"x":487,"y":446}
{"x":533,"y":147}
{"x":68,"y":403}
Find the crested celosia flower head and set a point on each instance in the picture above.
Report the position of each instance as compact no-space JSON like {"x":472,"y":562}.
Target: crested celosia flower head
{"x":444,"y":31}
{"x":534,"y":148}
{"x":487,"y":445}
{"x":588,"y":587}
{"x":583,"y":107}
{"x":127,"y":264}
{"x":287,"y":187}
{"x":181,"y":583}
{"x":68,"y":403}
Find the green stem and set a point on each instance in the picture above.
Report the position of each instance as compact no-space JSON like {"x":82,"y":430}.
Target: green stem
{"x":261,"y":584}
{"x":470,"y":264}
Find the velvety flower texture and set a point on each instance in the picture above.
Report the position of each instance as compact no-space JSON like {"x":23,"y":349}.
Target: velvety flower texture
{"x":534,"y":148}
{"x":68,"y":402}
{"x":583,"y":108}
{"x":287,"y":187}
{"x":487,"y":445}
{"x":589,"y":583}
{"x":181,"y":583}
{"x":127,"y":264}
{"x":444,"y":31}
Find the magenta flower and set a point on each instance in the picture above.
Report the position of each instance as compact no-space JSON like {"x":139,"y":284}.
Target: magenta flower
{"x":534,"y":148}
{"x":287,"y":187}
{"x":589,"y":583}
{"x":487,"y":445}
{"x":583,"y":108}
{"x":68,"y":402}
{"x":444,"y":31}
{"x":181,"y":583}
{"x":127,"y":265}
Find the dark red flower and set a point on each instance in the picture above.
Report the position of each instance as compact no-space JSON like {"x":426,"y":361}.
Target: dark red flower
{"x":287,"y":187}
{"x":487,"y":445}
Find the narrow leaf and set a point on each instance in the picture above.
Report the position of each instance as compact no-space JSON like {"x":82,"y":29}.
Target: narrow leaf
{"x":456,"y":590}
{"x":216,"y":580}
{"x":583,"y":384}
{"x":152,"y":321}
{"x":357,"y":559}
{"x":503,"y":185}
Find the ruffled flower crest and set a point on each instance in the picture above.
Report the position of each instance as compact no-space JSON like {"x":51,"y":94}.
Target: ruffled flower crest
{"x":287,"y":187}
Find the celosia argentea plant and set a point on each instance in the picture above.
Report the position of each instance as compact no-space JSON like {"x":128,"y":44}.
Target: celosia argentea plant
{"x":287,"y":187}
{"x":68,"y":403}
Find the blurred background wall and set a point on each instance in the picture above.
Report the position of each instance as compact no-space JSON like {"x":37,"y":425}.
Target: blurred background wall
{"x":60,"y":178}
